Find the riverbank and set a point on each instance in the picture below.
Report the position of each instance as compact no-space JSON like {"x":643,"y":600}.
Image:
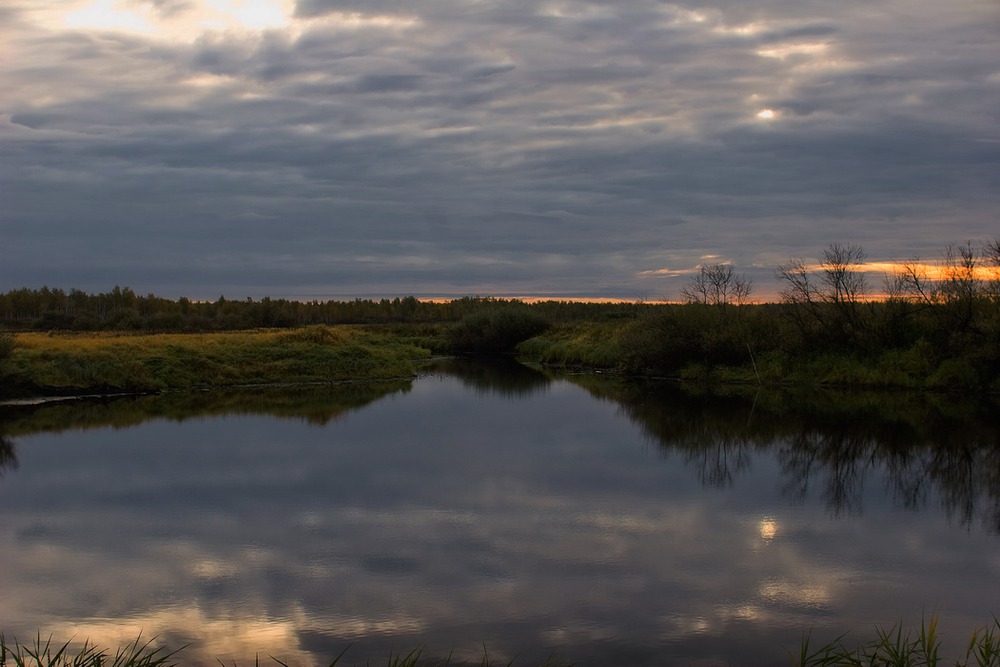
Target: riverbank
{"x":697,"y":344}
{"x":752,"y":345}
{"x":67,"y":363}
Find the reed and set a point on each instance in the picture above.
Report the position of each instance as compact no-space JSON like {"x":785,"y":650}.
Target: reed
{"x":137,"y":653}
{"x":145,"y":654}
{"x":895,"y":647}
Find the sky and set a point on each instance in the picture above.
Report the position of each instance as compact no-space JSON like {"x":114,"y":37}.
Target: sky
{"x":328,"y":149}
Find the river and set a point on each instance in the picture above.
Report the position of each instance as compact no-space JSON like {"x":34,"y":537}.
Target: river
{"x":498,"y":508}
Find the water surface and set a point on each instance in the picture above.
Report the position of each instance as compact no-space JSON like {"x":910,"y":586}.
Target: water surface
{"x":601,"y":523}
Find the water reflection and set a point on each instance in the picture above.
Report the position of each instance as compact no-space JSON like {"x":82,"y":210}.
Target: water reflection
{"x":500,"y":376}
{"x":833,"y":444}
{"x":8,"y":455}
{"x":529,"y":517}
{"x":830,"y":444}
{"x":316,"y":404}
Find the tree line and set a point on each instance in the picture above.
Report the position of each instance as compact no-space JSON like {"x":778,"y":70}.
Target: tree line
{"x":121,"y":309}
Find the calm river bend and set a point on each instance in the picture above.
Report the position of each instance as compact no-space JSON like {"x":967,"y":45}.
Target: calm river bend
{"x":576,"y":517}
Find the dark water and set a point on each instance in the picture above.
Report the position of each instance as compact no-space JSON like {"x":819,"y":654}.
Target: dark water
{"x":599,"y":523}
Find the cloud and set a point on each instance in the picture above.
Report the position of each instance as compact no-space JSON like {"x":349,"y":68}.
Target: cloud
{"x":448,"y":126}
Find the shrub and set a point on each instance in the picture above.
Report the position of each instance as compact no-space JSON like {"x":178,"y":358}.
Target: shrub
{"x":955,"y":374}
{"x":494,"y":333}
{"x":691,"y":334}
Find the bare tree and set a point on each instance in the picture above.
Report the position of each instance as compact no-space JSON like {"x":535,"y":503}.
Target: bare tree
{"x":799,"y":286}
{"x":826,"y":297}
{"x":991,"y":252}
{"x":839,"y":278}
{"x":841,"y":274}
{"x":965,"y":275}
{"x":961,"y":279}
{"x":958,"y":290}
{"x":914,"y":281}
{"x":719,"y":285}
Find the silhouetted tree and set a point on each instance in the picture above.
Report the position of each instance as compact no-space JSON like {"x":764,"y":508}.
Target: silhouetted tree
{"x":717,"y":285}
{"x":827,"y":298}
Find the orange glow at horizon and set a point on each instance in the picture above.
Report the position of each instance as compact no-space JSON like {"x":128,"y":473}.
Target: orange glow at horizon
{"x":543,"y":299}
{"x":935,"y":271}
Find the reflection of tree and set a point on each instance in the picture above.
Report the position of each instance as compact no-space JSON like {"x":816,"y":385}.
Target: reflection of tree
{"x":8,"y":454}
{"x":501,"y":376}
{"x":841,"y":457}
{"x":317,"y":404}
{"x":718,"y":466}
{"x":831,"y":444}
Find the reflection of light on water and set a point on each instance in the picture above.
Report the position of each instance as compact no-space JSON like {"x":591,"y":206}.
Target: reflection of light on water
{"x":795,"y":593}
{"x":675,"y":625}
{"x":577,"y":633}
{"x":743,"y":612}
{"x":212,"y":568}
{"x":768,"y":529}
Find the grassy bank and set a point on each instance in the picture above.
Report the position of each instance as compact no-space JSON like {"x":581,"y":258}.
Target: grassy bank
{"x":108,"y":362}
{"x":762,"y":344}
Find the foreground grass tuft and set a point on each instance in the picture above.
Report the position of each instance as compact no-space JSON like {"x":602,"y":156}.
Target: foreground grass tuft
{"x":144,"y":654}
{"x":896,"y":648}
{"x":45,"y":654}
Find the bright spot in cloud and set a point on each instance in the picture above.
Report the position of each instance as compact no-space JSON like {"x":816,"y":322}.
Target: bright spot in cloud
{"x":786,"y":50}
{"x":766,"y":114}
{"x":254,"y":14}
{"x":108,"y":15}
{"x":194,"y":19}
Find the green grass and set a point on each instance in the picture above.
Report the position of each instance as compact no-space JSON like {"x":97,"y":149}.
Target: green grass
{"x":589,"y":344}
{"x":68,"y":363}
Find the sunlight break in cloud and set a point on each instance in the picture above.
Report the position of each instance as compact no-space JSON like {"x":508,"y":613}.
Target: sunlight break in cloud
{"x":183,"y":24}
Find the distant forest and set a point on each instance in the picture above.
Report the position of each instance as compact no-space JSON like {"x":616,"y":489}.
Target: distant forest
{"x":121,"y":309}
{"x":962,"y":287}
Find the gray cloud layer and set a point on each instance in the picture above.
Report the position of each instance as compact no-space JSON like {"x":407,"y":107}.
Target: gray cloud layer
{"x":508,"y":147}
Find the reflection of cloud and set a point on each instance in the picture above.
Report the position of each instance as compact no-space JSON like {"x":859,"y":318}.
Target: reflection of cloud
{"x":796,"y":594}
{"x":442,"y":516}
{"x":210,"y":637}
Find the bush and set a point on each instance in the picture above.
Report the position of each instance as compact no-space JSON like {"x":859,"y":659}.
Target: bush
{"x":494,"y":333}
{"x":691,"y":334}
{"x":955,"y":374}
